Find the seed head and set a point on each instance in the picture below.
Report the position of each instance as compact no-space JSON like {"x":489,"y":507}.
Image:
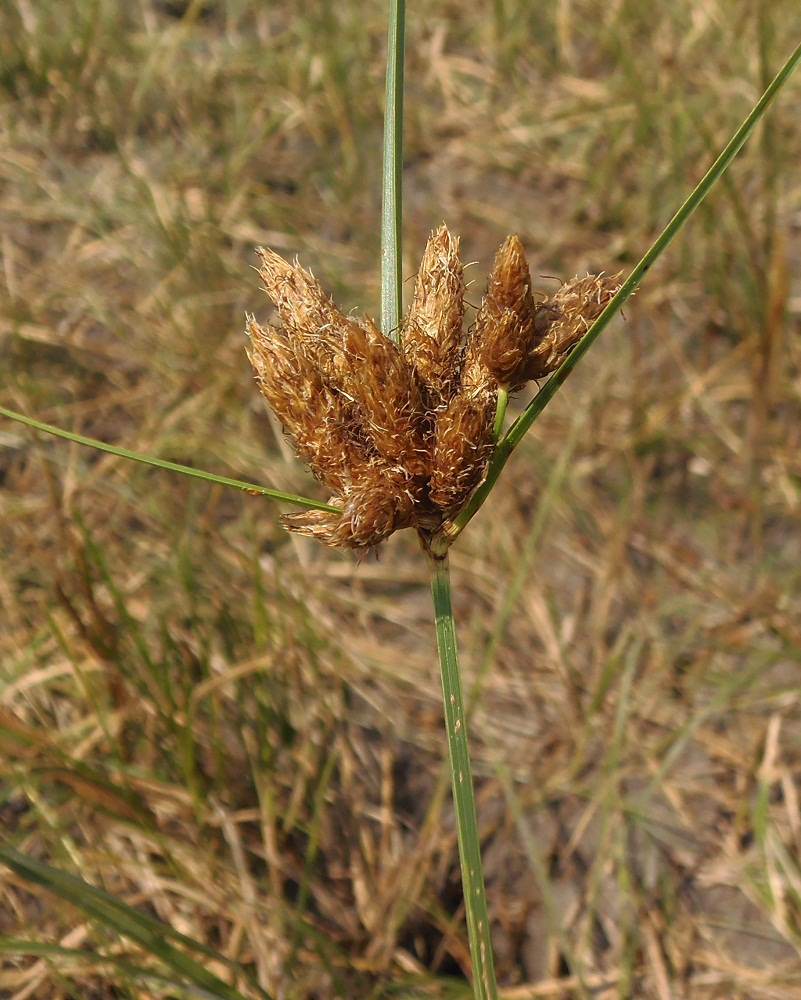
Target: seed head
{"x":402,"y":436}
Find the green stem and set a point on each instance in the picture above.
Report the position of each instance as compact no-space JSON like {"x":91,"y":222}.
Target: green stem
{"x":475,"y":899}
{"x":500,"y":411}
{"x":391,"y":189}
{"x":518,"y":429}
{"x":161,"y":463}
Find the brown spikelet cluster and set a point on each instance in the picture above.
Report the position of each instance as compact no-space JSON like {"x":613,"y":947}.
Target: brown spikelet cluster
{"x":402,"y":435}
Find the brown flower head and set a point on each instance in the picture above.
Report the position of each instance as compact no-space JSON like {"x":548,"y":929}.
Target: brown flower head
{"x":402,"y":436}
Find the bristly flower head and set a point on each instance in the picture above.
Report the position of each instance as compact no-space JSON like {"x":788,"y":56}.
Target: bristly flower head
{"x":402,"y":435}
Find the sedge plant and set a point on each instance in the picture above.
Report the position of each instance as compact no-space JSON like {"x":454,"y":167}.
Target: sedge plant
{"x":403,"y":424}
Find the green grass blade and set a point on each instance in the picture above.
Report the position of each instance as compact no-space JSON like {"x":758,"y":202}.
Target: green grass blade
{"x":82,"y":960}
{"x":475,"y":899}
{"x":516,"y":432}
{"x":392,"y":183}
{"x":161,"y":463}
{"x":152,"y":935}
{"x":500,"y":411}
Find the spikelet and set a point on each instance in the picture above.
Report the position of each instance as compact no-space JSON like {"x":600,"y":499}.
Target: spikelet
{"x":462,"y":450}
{"x":403,"y":436}
{"x":371,"y":511}
{"x":564,"y":319}
{"x":319,"y":420}
{"x":505,"y":331}
{"x":311,"y":320}
{"x":387,"y":395}
{"x":432,"y":331}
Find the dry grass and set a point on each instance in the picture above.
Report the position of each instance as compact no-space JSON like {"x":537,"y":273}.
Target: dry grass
{"x":241,"y":732}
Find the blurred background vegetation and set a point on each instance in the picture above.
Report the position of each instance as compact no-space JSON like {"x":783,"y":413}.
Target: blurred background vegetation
{"x":240,"y":732}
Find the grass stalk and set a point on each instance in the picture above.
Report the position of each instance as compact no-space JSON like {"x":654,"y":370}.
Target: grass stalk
{"x":475,"y":898}
{"x":392,"y":184}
